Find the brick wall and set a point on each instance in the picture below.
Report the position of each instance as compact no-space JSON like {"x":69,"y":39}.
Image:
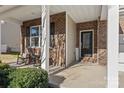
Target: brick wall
{"x":57,"y":52}
{"x":60,"y":22}
{"x":102,"y":42}
{"x":100,"y":38}
{"x":121,"y":26}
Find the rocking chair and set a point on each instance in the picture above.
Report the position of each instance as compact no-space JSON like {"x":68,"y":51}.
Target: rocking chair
{"x":23,"y":58}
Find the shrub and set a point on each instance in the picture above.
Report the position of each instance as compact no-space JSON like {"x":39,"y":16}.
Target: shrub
{"x":28,"y":78}
{"x":4,"y":66}
{"x":0,"y":61}
{"x":4,"y":72}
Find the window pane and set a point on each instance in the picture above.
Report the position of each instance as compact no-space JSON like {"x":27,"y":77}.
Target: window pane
{"x":34,"y":31}
{"x":52,"y":28}
{"x":52,"y":34}
{"x":40,"y":31}
{"x":35,"y":41}
{"x":40,"y":36}
{"x":86,"y":40}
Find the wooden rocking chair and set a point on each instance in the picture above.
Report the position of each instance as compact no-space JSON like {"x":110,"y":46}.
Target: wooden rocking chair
{"x":32,"y":56}
{"x":23,"y":58}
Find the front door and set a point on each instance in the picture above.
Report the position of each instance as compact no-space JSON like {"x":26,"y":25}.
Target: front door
{"x":86,"y":44}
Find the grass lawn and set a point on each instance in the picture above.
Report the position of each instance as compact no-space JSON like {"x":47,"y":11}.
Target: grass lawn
{"x":9,"y":57}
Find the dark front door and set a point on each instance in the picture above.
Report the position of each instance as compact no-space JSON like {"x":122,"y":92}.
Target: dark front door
{"x":86,"y":44}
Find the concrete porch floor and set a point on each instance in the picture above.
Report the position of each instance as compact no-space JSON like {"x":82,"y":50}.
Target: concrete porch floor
{"x":80,"y":76}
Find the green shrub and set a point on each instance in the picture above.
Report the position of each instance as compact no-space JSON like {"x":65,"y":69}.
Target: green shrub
{"x":28,"y":78}
{"x":4,"y":72}
{"x":4,"y":66}
{"x":4,"y":78}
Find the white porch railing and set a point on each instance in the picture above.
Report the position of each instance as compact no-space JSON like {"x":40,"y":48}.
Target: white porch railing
{"x":121,"y":62}
{"x":121,"y":53}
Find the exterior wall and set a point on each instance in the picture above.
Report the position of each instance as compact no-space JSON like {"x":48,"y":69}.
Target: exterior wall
{"x":70,"y":41}
{"x":58,"y":51}
{"x":60,"y":29}
{"x":91,"y":25}
{"x":102,"y":42}
{"x":10,"y":34}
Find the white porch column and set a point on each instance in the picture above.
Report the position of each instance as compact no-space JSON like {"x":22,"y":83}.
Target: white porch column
{"x":113,"y":46}
{"x":45,"y":37}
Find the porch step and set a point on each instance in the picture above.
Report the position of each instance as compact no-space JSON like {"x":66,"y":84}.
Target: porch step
{"x":51,"y":85}
{"x":55,"y":69}
{"x":89,"y":59}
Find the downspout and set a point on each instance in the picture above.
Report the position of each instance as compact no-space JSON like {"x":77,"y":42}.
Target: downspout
{"x":98,"y":23}
{"x":66,"y":40}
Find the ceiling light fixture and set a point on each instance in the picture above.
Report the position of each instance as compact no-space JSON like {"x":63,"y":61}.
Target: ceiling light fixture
{"x":2,"y":21}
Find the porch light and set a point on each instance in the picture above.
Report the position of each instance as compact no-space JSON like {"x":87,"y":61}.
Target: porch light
{"x":2,"y":21}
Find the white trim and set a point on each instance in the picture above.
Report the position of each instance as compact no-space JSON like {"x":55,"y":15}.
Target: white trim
{"x":48,"y":38}
{"x":92,"y":40}
{"x":45,"y":37}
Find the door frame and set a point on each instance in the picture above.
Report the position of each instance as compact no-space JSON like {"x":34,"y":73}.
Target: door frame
{"x":89,"y":30}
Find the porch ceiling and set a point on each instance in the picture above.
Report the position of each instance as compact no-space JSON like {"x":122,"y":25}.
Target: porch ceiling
{"x":20,"y":13}
{"x":4,"y":8}
{"x":79,"y":13}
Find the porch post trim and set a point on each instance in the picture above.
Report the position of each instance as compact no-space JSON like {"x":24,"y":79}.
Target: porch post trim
{"x":45,"y":37}
{"x":112,"y":46}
